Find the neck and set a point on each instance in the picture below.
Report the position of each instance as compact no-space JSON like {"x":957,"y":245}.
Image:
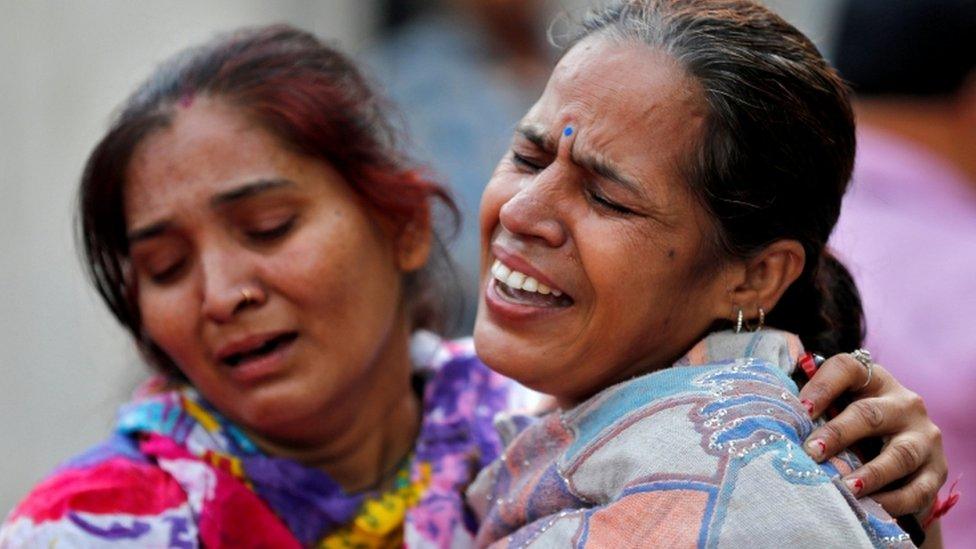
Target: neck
{"x":360,"y":440}
{"x":933,"y":125}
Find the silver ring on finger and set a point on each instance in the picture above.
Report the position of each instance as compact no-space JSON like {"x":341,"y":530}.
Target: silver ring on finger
{"x":863,"y":357}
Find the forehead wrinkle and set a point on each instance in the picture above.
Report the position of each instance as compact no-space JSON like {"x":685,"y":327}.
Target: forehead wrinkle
{"x":656,"y":201}
{"x":605,"y":167}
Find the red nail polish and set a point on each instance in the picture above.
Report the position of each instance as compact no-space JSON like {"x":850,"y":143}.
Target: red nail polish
{"x":816,"y":448}
{"x":855,"y":485}
{"x":808,"y":405}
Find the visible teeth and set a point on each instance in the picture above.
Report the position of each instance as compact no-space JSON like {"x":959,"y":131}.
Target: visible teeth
{"x":515,"y":280}
{"x":500,"y":271}
{"x":519,"y":280}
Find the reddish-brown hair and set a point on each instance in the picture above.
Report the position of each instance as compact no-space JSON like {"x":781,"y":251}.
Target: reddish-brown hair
{"x":313,"y":98}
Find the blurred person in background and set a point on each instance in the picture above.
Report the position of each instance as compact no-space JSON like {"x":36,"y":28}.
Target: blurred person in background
{"x":463,"y":71}
{"x":908,"y":225}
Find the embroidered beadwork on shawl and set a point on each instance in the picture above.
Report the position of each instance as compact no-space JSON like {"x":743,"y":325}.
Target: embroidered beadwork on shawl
{"x":706,"y":453}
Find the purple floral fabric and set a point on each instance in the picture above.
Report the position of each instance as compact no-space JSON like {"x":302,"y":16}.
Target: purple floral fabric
{"x":178,"y":474}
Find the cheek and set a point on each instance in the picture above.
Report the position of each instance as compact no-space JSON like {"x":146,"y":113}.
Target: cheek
{"x":165,"y":320}
{"x":308,"y":265}
{"x":340,"y":269}
{"x":500,"y":189}
{"x":310,"y":271}
{"x":652,"y":293}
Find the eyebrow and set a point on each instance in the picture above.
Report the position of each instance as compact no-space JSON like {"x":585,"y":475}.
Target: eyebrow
{"x":608,"y":170}
{"x":147,"y":232}
{"x":241,"y":192}
{"x":248,"y":190}
{"x":537,"y":135}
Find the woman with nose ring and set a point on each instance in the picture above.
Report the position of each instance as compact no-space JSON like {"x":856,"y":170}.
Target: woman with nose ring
{"x":251,"y":221}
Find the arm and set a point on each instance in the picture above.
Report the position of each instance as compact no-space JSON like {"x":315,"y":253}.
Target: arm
{"x":933,"y":537}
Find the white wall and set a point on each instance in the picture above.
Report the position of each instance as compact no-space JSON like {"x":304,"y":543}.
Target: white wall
{"x":64,"y":66}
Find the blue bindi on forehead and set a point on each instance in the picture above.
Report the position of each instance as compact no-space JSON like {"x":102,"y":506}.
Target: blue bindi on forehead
{"x":568,"y":131}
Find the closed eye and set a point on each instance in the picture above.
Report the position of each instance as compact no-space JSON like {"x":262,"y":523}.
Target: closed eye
{"x":167,"y":274}
{"x":271,"y":234}
{"x":606,"y":203}
{"x":526,"y":163}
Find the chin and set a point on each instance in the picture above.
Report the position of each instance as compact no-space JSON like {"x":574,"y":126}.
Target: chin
{"x":268,"y":412}
{"x":509,"y":356}
{"x":262,"y":417}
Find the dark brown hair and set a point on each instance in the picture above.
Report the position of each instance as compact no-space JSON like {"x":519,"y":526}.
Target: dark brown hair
{"x":314,"y":99}
{"x":777,"y":151}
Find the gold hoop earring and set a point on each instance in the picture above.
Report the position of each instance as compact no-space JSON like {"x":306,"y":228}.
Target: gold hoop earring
{"x":739,"y":320}
{"x":762,"y":319}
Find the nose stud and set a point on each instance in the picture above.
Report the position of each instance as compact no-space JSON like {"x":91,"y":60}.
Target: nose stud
{"x":247,"y":295}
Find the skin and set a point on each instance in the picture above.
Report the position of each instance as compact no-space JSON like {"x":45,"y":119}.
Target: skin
{"x":946,"y":126}
{"x":204,"y":225}
{"x":548,"y":206}
{"x":553,"y":204}
{"x":913,"y":449}
{"x":209,"y":150}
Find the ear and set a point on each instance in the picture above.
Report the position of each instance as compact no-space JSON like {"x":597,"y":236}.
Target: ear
{"x":413,"y":242}
{"x":767,"y":276}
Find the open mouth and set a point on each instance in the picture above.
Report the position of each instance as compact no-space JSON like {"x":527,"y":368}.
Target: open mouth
{"x":260,"y":351}
{"x":521,"y":289}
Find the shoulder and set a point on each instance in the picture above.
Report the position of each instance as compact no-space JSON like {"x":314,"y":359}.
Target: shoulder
{"x":680,"y":421}
{"x":722,"y":445}
{"x":98,"y":496}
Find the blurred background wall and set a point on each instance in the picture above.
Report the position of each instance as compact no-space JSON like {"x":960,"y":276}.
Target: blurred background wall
{"x":64,"y":66}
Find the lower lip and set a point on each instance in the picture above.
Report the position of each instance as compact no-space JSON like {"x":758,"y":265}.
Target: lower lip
{"x":267,"y":366}
{"x":502,"y":309}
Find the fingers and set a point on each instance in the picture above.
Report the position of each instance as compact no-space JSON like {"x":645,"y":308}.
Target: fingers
{"x":838,"y":374}
{"x":868,"y":417}
{"x":915,"y":498}
{"x":884,"y":407}
{"x":902,"y":456}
